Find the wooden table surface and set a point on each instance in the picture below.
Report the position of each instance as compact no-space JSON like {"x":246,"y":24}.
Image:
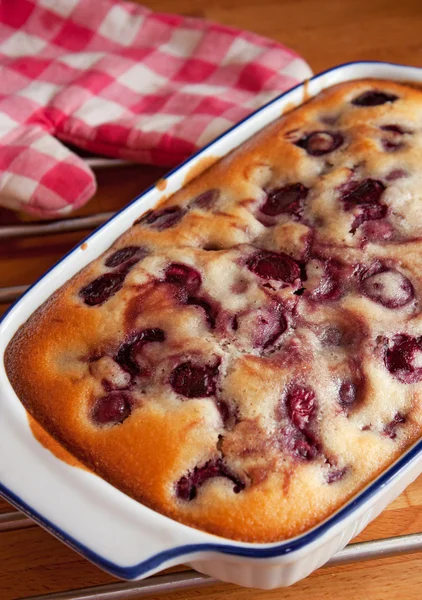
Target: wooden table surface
{"x":325,"y":32}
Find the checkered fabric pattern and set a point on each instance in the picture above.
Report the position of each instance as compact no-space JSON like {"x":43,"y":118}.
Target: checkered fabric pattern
{"x":117,"y":79}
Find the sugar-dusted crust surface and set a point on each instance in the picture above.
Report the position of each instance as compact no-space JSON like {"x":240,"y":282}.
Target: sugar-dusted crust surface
{"x":249,"y":355}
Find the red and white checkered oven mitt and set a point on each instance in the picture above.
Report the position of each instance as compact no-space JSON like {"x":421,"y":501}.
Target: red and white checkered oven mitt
{"x":117,"y":79}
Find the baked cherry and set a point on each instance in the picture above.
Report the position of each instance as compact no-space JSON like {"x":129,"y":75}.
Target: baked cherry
{"x":183,"y":275}
{"x":110,"y":373}
{"x":394,"y":141}
{"x":403,"y":358}
{"x":297,"y":435}
{"x":329,"y":286}
{"x":368,"y":213}
{"x":102,"y":288}
{"x":207,"y":200}
{"x":187,"y":487}
{"x":347,"y":394}
{"x":318,"y":143}
{"x":336,"y":474}
{"x":368,"y":192}
{"x":374,"y":98}
{"x":396,"y":174}
{"x":332,"y":336}
{"x":189,"y":281}
{"x":194,"y":381}
{"x":154,"y":334}
{"x":391,"y":145}
{"x":377,"y":231}
{"x":394,"y":129}
{"x":111,"y":409}
{"x":388,"y":287}
{"x":126,"y":356}
{"x":125,"y":359}
{"x":303,"y":448}
{"x":163,"y":218}
{"x":272,"y":265}
{"x":125,"y":254}
{"x":391,"y":427}
{"x":301,"y":406}
{"x":288,"y":199}
{"x":210,"y":311}
{"x":228,"y":413}
{"x":269,"y":326}
{"x":364,"y":200}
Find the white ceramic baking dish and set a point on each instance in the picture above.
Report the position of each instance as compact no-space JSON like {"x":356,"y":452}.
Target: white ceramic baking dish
{"x":117,"y":533}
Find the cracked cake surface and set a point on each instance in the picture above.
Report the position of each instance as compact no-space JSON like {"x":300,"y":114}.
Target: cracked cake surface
{"x":248,"y":355}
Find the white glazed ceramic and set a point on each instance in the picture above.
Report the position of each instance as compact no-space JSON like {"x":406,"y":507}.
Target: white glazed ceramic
{"x":109,"y":528}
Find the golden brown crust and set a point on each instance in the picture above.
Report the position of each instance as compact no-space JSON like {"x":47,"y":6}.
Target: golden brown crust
{"x":304,"y":394}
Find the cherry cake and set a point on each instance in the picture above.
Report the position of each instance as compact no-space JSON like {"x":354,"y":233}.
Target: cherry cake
{"x":249,"y":354}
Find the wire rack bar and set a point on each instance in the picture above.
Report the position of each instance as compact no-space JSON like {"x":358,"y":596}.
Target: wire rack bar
{"x":53,"y":227}
{"x":9,"y":294}
{"x":12,"y":521}
{"x":107,"y":163}
{"x":160,"y":584}
{"x":171,"y":582}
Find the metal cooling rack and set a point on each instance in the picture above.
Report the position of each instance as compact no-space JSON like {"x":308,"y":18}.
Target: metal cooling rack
{"x":169,"y":582}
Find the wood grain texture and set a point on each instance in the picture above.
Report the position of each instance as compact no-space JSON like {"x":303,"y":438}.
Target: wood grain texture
{"x":325,"y":32}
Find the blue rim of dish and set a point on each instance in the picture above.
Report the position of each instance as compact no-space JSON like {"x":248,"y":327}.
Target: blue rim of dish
{"x":254,"y":551}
